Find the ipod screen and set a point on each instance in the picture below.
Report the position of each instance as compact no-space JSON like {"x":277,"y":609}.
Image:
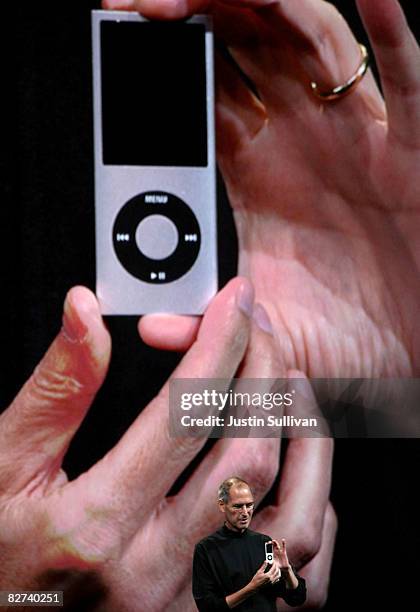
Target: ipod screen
{"x":153,"y":93}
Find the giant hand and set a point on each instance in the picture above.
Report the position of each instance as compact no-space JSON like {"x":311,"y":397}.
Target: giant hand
{"x":325,"y":194}
{"x":112,"y":539}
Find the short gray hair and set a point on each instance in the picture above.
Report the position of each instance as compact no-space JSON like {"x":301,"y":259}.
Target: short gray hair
{"x":225,"y":487}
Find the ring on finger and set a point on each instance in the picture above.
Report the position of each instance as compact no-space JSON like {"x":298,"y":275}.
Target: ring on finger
{"x":344,"y":89}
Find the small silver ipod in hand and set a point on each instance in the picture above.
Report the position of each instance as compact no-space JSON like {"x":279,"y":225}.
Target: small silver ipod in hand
{"x":155,"y":169}
{"x":269,"y":555}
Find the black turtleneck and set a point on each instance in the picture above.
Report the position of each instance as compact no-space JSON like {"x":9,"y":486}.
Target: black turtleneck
{"x":225,"y":562}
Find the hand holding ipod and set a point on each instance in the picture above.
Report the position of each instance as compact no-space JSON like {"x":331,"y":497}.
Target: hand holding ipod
{"x":155,"y":199}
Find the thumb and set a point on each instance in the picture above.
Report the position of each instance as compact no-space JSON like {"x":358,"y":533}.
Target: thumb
{"x":36,"y":429}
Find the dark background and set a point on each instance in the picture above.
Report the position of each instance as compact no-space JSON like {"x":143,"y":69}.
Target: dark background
{"x":47,"y":221}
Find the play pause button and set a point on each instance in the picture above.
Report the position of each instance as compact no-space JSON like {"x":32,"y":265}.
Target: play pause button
{"x":158,"y":276}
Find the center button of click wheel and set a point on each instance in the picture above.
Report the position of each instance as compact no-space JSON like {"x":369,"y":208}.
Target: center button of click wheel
{"x":157,"y":237}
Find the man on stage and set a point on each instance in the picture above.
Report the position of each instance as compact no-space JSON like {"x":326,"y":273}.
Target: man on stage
{"x":229,"y":567}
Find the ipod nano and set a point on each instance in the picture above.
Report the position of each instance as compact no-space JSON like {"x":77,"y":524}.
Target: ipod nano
{"x":269,"y":555}
{"x":155,"y":169}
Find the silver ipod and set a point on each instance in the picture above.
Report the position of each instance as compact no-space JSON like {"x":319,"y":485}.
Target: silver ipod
{"x":269,"y":554}
{"x":155,"y":168}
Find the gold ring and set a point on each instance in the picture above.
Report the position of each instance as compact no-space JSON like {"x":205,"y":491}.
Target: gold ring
{"x":342,"y":90}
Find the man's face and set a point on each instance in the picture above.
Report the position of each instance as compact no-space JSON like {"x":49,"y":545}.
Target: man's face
{"x":239,"y":508}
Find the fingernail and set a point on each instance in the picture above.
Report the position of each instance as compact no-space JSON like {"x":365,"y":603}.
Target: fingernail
{"x":245,"y":298}
{"x":74,"y":329}
{"x":262,"y":319}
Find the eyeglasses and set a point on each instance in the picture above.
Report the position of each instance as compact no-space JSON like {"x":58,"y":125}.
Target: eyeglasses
{"x":248,"y":506}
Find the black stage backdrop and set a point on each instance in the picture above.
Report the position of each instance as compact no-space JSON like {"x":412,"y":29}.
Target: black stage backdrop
{"x":47,"y":228}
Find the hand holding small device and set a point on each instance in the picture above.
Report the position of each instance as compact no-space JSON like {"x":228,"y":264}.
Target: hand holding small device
{"x":270,"y":559}
{"x":266,"y":574}
{"x":297,"y":191}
